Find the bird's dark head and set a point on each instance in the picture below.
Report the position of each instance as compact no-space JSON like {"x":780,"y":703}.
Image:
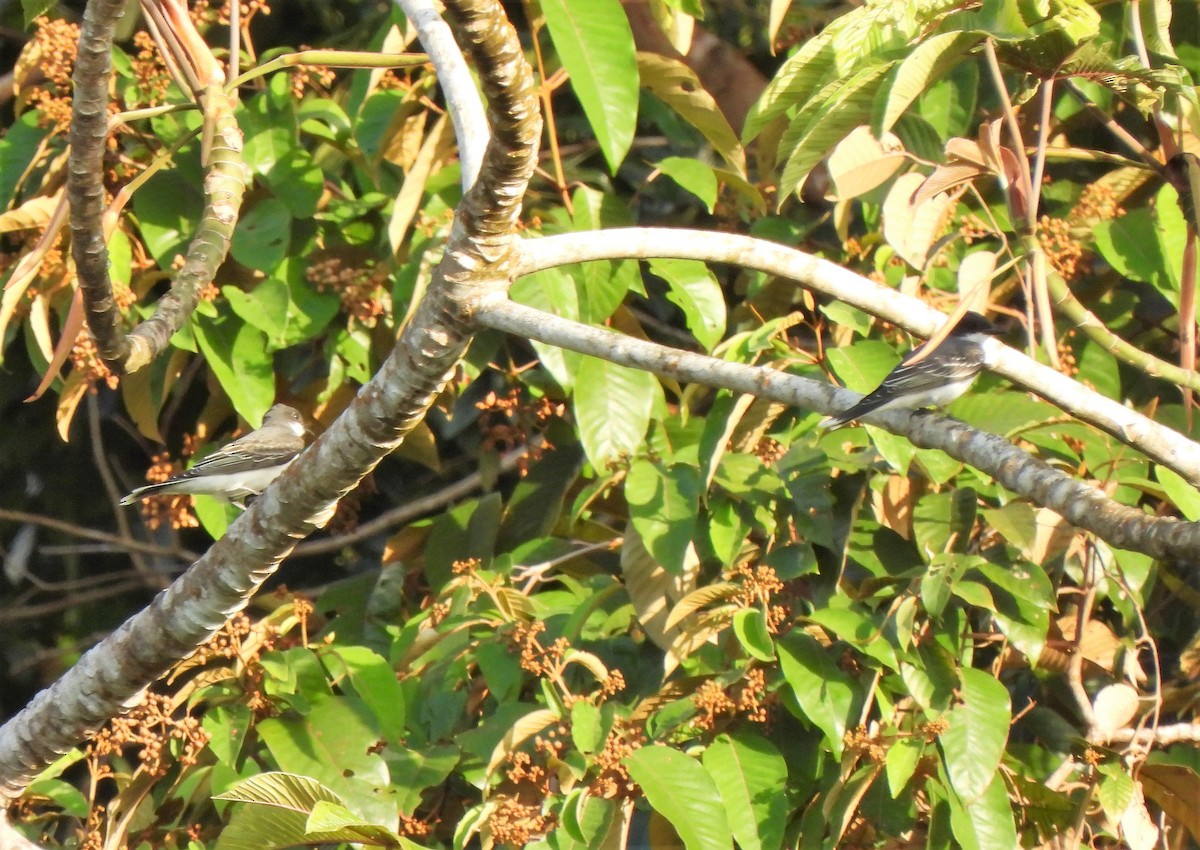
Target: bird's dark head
{"x":280,"y":415}
{"x":974,"y":323}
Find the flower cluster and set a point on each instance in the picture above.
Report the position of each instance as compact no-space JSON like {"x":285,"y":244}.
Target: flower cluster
{"x":153,"y":78}
{"x":612,"y":779}
{"x":360,"y":289}
{"x":150,"y":726}
{"x":51,"y":55}
{"x":508,"y":422}
{"x":1063,"y":250}
{"x":173,"y":509}
{"x":757,"y":588}
{"x":85,"y":359}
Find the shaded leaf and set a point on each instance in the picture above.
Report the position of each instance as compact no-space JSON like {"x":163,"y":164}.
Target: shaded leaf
{"x":676,"y":85}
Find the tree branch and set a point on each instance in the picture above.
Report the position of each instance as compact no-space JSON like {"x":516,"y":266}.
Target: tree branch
{"x":1080,"y":504}
{"x":462,"y":98}
{"x":396,"y":398}
{"x":1163,"y":445}
{"x":224,"y":186}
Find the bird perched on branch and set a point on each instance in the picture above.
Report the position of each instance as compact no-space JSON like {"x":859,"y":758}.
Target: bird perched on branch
{"x":930,"y":379}
{"x":242,"y":468}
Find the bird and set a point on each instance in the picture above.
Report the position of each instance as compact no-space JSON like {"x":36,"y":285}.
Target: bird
{"x":242,"y":468}
{"x":933,"y":380}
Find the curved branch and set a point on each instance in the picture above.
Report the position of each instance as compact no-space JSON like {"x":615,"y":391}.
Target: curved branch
{"x":224,"y":186}
{"x":396,"y":398}
{"x":1080,"y":504}
{"x":1122,"y":349}
{"x":1163,"y":445}
{"x":462,"y":98}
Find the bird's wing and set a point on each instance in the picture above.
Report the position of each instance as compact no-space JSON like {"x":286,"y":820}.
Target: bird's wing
{"x":954,"y":360}
{"x":943,"y":366}
{"x":241,"y":456}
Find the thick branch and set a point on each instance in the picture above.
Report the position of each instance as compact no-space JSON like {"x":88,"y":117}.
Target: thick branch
{"x":1078,"y":503}
{"x":105,"y":681}
{"x":1160,"y":443}
{"x":85,"y":173}
{"x":224,"y":185}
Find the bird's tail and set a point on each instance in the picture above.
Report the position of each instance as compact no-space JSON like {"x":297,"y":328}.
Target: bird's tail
{"x":834,"y":422}
{"x":140,"y":492}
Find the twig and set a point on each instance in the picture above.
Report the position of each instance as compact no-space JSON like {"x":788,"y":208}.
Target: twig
{"x":1080,"y":504}
{"x":92,"y":534}
{"x":100,"y":457}
{"x":1083,"y":703}
{"x":36,"y":612}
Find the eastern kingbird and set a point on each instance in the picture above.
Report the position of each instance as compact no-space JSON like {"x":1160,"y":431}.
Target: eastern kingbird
{"x":935,"y":380}
{"x":242,"y":468}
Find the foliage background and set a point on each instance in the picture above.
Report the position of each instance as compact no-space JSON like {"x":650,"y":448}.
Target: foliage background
{"x":688,"y":616}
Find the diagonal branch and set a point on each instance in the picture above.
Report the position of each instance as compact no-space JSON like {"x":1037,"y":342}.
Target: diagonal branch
{"x":1080,"y":504}
{"x":108,"y":678}
{"x":1163,"y":445}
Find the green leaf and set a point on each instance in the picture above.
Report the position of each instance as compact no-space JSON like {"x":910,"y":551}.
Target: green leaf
{"x":680,"y":790}
{"x":930,"y":61}
{"x":987,"y":821}
{"x":297,"y":182}
{"x":693,"y":176}
{"x":751,"y":777}
{"x":335,"y":744}
{"x":863,"y":365}
{"x":826,"y":696}
{"x":1024,"y":580}
{"x":825,"y":121}
{"x":663,"y":503}
{"x":287,"y":312}
{"x":586,"y":819}
{"x":900,"y":763}
{"x":1182,"y":494}
{"x":238,"y":357}
{"x":374,"y":680}
{"x":62,"y":794}
{"x":34,"y":8}
{"x":860,"y":628}
{"x":227,"y":726}
{"x":330,"y":823}
{"x":277,"y":814}
{"x":587,"y":726}
{"x":552,"y":290}
{"x":420,"y":770}
{"x":595,"y":44}
{"x":612,"y":407}
{"x":750,"y":626}
{"x":1133,"y":246}
{"x":262,"y":236}
{"x":975,"y":739}
{"x":695,"y":290}
{"x":1115,"y":790}
{"x":676,"y":85}
{"x":18,"y":147}
{"x":943,"y":521}
{"x":214,"y":515}
{"x":167,"y":208}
